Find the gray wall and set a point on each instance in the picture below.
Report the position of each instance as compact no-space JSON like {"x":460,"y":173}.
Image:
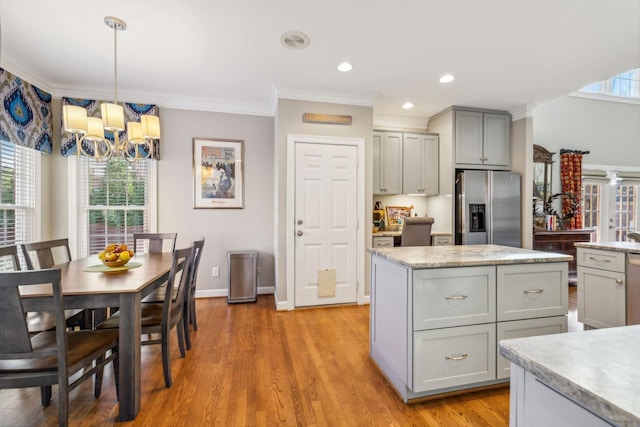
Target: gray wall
{"x":289,"y":121}
{"x":224,"y":229}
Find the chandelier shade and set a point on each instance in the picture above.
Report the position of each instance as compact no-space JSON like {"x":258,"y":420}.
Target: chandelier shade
{"x":89,"y":132}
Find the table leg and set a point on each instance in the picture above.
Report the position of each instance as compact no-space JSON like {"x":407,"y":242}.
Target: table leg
{"x":130,"y":355}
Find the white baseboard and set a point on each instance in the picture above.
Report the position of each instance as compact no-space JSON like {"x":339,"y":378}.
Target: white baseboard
{"x":265,"y":290}
{"x":215,"y":293}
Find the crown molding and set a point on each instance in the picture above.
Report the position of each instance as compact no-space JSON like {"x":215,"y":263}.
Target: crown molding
{"x":393,"y":122}
{"x":521,"y":112}
{"x":360,"y":98}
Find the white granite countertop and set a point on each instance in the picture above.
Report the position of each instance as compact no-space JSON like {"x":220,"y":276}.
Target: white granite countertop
{"x":629,"y":247}
{"x":464,"y":256}
{"x":596,"y":368}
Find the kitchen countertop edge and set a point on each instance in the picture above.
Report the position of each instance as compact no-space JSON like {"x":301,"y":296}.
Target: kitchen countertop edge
{"x":420,"y":257}
{"x":628,"y":247}
{"x":574,"y":377}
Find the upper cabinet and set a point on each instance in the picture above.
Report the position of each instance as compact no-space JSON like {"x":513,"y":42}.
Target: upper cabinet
{"x":387,"y":163}
{"x":405,"y":163}
{"x":482,"y":139}
{"x":420,"y":164}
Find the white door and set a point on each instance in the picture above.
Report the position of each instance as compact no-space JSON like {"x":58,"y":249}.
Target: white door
{"x":325,"y":224}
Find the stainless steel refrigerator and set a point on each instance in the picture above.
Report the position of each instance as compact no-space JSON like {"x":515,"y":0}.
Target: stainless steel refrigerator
{"x":488,"y":208}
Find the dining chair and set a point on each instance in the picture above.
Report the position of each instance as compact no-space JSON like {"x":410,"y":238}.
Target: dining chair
{"x":47,"y":254}
{"x":53,"y":357}
{"x":161,"y":318}
{"x":416,"y":231}
{"x":155,"y":242}
{"x":633,"y":236}
{"x":189,"y":308}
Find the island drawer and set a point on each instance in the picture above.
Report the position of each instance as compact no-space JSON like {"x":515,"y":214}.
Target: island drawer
{"x":453,"y":356}
{"x":604,"y":260}
{"x":525,"y":328}
{"x":447,"y":297}
{"x":532,"y":290}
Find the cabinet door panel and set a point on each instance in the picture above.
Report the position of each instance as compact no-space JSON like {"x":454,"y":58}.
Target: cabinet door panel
{"x":468,"y":137}
{"x":387,"y":163}
{"x":420,"y":164}
{"x":497,"y":134}
{"x":601,"y":298}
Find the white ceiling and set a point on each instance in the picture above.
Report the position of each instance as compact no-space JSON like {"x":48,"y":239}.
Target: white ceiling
{"x":225,"y":55}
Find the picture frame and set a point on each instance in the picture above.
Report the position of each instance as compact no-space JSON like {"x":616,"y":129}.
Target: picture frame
{"x":218,"y":175}
{"x":397,"y":214}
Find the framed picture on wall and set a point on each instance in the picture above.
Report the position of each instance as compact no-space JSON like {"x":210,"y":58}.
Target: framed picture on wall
{"x":218,"y":174}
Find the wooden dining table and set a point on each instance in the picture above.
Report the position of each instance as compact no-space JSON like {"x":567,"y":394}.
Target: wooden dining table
{"x":124,"y":289}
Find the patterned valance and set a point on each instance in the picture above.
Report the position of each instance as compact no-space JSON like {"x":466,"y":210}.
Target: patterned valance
{"x":25,"y":118}
{"x":132,"y":113}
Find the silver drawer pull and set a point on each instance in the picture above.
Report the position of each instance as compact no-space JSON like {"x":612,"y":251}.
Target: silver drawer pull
{"x":533,"y":291}
{"x":459,"y":357}
{"x":455,"y":297}
{"x":592,"y":258}
{"x":619,"y":281}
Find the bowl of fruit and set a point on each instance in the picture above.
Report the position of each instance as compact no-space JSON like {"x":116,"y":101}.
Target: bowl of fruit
{"x":115,"y":255}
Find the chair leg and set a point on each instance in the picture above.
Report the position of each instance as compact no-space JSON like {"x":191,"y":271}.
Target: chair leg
{"x":181,"y":339}
{"x":192,"y":315}
{"x":166,"y":354}
{"x":45,"y":395}
{"x":187,"y":332}
{"x":116,"y":373}
{"x":98,"y":378}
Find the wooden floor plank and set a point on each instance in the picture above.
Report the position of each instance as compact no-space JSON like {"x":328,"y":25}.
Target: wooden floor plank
{"x":253,"y":366}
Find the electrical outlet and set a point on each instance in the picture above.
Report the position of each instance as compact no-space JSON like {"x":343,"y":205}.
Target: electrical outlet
{"x":215,"y":272}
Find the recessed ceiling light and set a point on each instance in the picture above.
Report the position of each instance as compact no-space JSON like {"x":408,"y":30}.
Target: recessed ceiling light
{"x":407,"y":105}
{"x":295,"y":40}
{"x":345,"y":66}
{"x":447,"y":78}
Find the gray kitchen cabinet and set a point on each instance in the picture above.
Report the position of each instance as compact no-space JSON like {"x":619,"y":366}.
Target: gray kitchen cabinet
{"x":601,"y":288}
{"x":482,"y":139}
{"x":420,"y":164}
{"x":387,"y":163}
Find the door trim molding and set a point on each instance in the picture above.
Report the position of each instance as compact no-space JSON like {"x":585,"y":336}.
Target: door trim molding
{"x":359,"y":143}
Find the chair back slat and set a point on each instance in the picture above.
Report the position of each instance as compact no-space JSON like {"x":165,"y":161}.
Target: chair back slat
{"x":155,"y":242}
{"x":11,"y":252}
{"x":179,"y":277}
{"x":44,"y":252}
{"x":14,"y":334}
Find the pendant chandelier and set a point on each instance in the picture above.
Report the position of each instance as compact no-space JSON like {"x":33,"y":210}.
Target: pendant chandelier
{"x":90,"y":130}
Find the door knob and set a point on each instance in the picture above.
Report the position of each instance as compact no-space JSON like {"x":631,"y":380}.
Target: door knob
{"x":299,"y":233}
{"x":299,"y":222}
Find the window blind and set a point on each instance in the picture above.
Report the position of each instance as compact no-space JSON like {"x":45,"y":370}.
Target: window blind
{"x":18,"y":214}
{"x":113,"y":202}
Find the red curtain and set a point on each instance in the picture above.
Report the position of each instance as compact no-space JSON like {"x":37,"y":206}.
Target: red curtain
{"x":571,"y":182}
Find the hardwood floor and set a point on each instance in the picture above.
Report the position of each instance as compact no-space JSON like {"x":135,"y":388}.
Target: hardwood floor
{"x":253,"y":366}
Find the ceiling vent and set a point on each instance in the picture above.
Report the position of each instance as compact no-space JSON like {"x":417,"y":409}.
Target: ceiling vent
{"x":295,"y":40}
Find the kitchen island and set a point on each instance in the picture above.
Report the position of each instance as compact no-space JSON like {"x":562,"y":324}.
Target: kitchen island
{"x":438,"y":312}
{"x":581,"y":378}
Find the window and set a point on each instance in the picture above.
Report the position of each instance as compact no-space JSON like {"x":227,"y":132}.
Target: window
{"x":626,"y":85}
{"x":114,"y":200}
{"x":18,"y":213}
{"x":611,"y":209}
